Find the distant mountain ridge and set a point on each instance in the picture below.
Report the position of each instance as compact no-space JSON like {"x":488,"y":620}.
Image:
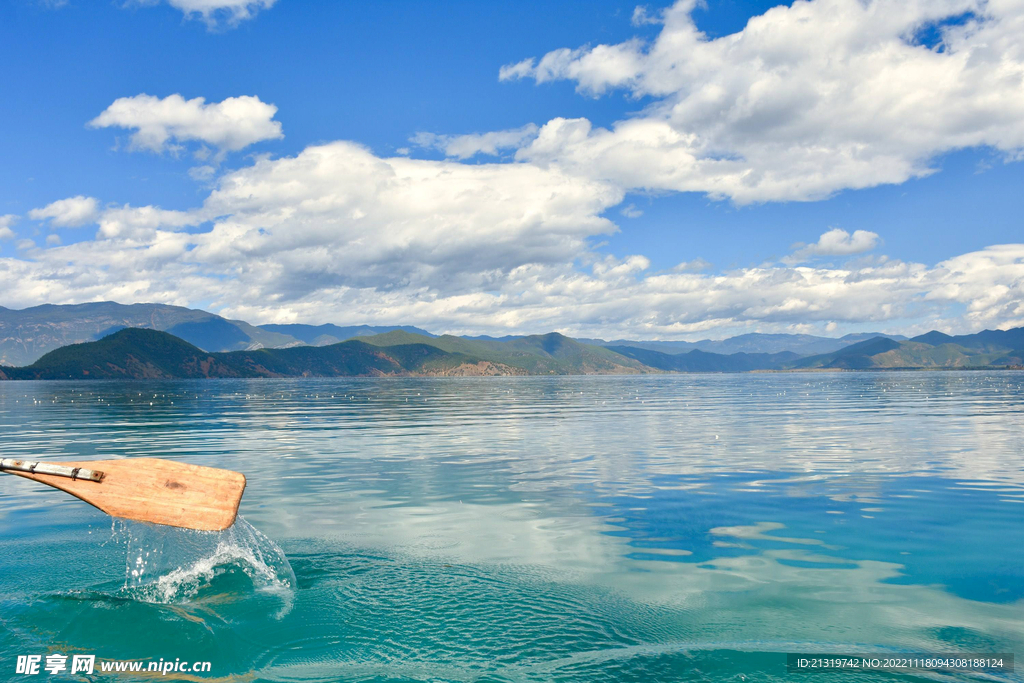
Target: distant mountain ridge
{"x":551,"y":353}
{"x":322,"y":335}
{"x":984,"y":340}
{"x":135,"y":353}
{"x":973,"y":351}
{"x":754,"y":342}
{"x":28,"y":334}
{"x":703,"y":361}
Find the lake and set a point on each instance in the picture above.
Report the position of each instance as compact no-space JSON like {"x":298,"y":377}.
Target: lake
{"x":652,"y":528}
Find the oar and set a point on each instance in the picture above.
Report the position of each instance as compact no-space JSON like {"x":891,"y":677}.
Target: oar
{"x":145,"y":489}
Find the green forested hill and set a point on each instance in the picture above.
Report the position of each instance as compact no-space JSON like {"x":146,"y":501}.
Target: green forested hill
{"x":322,"y":335}
{"x":25,"y":335}
{"x":702,"y":361}
{"x":130,"y":353}
{"x":536,"y":354}
{"x":135,"y":353}
{"x":143,"y":353}
{"x":885,"y":353}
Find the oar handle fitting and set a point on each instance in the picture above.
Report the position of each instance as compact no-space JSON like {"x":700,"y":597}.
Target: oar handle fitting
{"x":48,"y":468}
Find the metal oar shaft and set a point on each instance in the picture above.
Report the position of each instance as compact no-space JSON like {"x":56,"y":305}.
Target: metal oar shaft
{"x":47,"y":468}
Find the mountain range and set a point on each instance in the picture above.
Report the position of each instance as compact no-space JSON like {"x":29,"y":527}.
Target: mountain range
{"x":754,"y":342}
{"x":106,"y":340}
{"x":136,"y":353}
{"x":27,"y":334}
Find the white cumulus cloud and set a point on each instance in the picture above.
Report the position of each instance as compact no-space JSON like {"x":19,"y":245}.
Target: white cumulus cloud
{"x":836,"y":242}
{"x":806,"y":100}
{"x":73,"y":212}
{"x":337,"y":215}
{"x":6,"y":221}
{"x":216,"y":13}
{"x":465,"y":146}
{"x":160,"y":124}
{"x":630,"y":211}
{"x":141,"y":223}
{"x":338,"y":234}
{"x":642,"y":16}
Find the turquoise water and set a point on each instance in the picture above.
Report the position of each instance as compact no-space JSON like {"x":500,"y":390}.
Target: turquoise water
{"x":661,"y":528}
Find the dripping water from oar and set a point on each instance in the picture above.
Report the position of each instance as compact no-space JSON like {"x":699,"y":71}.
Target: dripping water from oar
{"x":181,"y":566}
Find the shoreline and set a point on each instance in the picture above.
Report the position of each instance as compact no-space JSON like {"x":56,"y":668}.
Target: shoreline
{"x":518,"y":375}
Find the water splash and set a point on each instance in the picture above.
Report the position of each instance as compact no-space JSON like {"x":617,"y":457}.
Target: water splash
{"x":168,"y":565}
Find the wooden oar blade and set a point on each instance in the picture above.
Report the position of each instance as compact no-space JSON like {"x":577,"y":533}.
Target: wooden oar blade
{"x":157,"y":491}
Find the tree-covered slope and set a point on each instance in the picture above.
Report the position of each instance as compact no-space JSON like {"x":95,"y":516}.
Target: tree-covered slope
{"x":984,"y":341}
{"x":536,"y":354}
{"x":887,"y":354}
{"x":135,"y":353}
{"x":322,"y":335}
{"x":701,"y":361}
{"x":27,"y":334}
{"x":131,"y":353}
{"x":752,"y":343}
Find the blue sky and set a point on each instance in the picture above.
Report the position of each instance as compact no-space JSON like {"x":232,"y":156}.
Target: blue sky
{"x":727,"y":159}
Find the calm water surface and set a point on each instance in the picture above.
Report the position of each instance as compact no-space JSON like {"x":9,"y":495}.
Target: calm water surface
{"x":660,"y":528}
